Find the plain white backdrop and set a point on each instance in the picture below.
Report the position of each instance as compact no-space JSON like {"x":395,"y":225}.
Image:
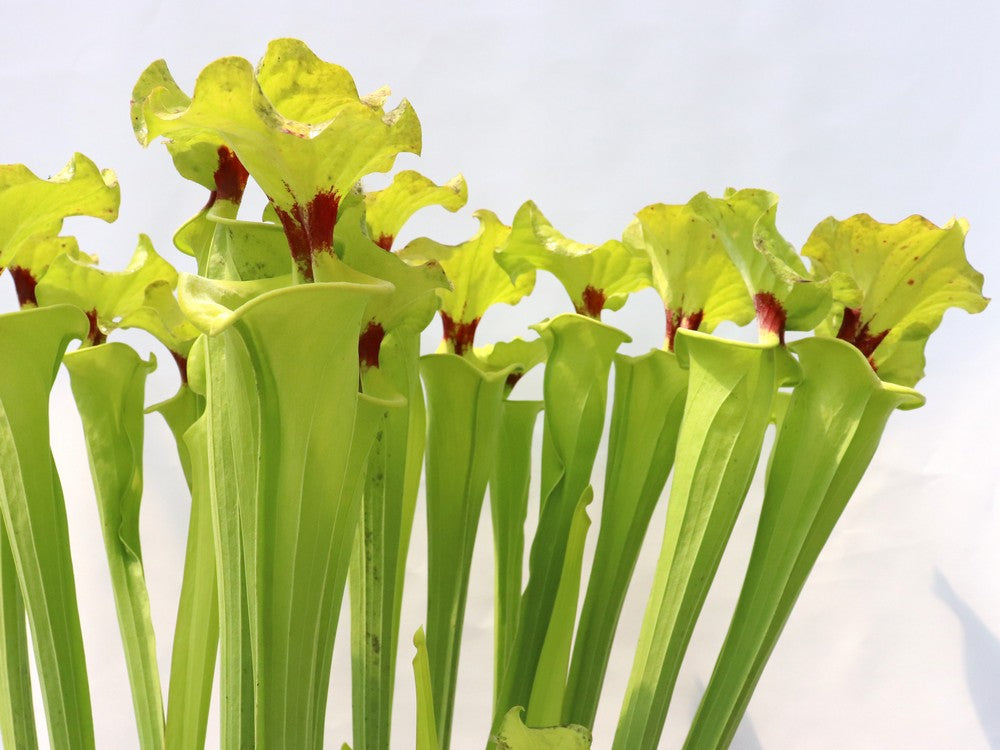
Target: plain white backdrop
{"x":595,"y":110}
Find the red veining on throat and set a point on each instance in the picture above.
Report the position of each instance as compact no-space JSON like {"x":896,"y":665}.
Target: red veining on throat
{"x":771,"y":316}
{"x":95,"y":335}
{"x":24,"y":285}
{"x":369,"y":344}
{"x":309,"y":229}
{"x":854,"y":332}
{"x":677,"y":319}
{"x":459,"y":334}
{"x":182,"y":366}
{"x":230,"y":177}
{"x":384,"y":241}
{"x":592,"y":302}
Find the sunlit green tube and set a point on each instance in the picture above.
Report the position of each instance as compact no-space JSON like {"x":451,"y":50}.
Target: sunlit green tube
{"x":109,"y":385}
{"x":289,"y":438}
{"x":378,"y":564}
{"x":34,"y":515}
{"x":509,"y":486}
{"x":828,"y":435}
{"x":196,"y":632}
{"x":645,"y":417}
{"x":731,"y":389}
{"x":575,"y":390}
{"x":463,"y":419}
{"x":17,"y":712}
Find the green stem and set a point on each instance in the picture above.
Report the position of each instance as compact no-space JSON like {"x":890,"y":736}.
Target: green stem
{"x":829,"y":433}
{"x":109,"y":384}
{"x":645,"y":418}
{"x":731,"y":390}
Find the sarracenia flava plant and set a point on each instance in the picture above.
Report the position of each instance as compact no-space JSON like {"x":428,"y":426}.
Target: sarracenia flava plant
{"x":307,"y":419}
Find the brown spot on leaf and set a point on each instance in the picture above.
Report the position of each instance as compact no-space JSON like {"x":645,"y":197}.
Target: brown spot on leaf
{"x":459,"y":335}
{"x":911,"y":282}
{"x":592,"y":303}
{"x":24,"y":284}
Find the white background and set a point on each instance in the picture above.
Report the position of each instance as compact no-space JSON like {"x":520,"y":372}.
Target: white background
{"x":594,"y":111}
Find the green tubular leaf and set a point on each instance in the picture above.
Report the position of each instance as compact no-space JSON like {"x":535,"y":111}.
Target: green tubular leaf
{"x":509,"y":485}
{"x":34,"y":515}
{"x":427,"y":738}
{"x":290,"y":386}
{"x":32,"y":208}
{"x":381,"y":545}
{"x":17,"y":713}
{"x":463,"y":420}
{"x":109,"y":384}
{"x":900,"y":279}
{"x":477,"y":282}
{"x":648,"y":404}
{"x":514,"y":735}
{"x":298,"y":126}
{"x":595,"y":277}
{"x":387,"y":210}
{"x":196,"y":633}
{"x":785,"y":295}
{"x":691,"y":270}
{"x":827,"y":438}
{"x":549,"y":687}
{"x":575,"y":387}
{"x":224,"y":365}
{"x":731,"y":389}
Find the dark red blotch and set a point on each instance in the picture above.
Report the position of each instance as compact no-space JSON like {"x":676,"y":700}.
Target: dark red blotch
{"x":370,"y":343}
{"x":182,"y":366}
{"x":771,"y":315}
{"x":24,"y":284}
{"x":309,"y":229}
{"x":460,"y":335}
{"x":853,"y":331}
{"x":95,"y":335}
{"x":677,"y":319}
{"x":593,"y":300}
{"x":230,"y":176}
